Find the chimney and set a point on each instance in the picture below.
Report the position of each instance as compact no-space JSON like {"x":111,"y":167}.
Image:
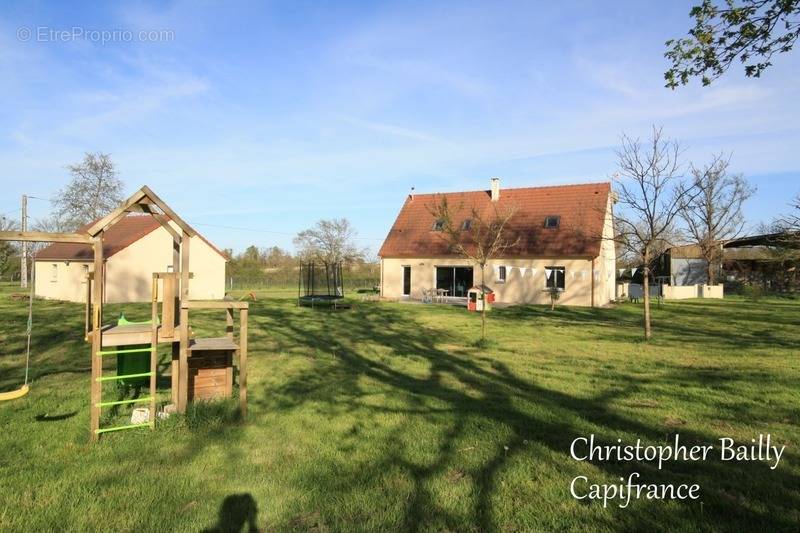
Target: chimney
{"x":495,"y":189}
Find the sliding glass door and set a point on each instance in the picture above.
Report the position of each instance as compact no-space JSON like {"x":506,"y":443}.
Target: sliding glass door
{"x":455,"y":280}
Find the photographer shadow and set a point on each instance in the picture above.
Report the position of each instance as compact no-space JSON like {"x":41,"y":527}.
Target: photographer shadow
{"x":238,"y":512}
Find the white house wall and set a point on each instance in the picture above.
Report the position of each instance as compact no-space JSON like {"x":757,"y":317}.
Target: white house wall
{"x":129,"y":273}
{"x":517,"y":289}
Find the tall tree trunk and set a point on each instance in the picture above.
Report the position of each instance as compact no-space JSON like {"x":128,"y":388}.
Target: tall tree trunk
{"x":483,"y":297}
{"x":711,"y":276}
{"x":648,"y":332}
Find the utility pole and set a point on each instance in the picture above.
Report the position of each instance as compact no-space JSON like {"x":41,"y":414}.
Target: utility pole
{"x":23,"y":278}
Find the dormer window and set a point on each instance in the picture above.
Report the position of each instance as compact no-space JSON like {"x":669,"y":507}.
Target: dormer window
{"x":438,"y":225}
{"x":466,"y":225}
{"x":552,"y":221}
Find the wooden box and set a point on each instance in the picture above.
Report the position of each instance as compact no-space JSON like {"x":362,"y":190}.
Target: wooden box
{"x":210,"y":374}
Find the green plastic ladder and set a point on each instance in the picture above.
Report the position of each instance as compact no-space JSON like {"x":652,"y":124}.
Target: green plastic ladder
{"x":151,"y":399}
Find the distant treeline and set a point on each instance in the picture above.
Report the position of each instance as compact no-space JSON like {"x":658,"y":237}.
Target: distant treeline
{"x":260,"y":268}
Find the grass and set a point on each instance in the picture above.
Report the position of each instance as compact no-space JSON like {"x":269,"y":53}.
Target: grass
{"x":392,"y":417}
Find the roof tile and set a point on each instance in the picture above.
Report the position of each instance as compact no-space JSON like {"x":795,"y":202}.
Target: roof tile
{"x":581,"y":208}
{"x":119,"y":236}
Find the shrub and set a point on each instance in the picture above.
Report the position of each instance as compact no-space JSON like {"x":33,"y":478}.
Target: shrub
{"x":753,"y":292}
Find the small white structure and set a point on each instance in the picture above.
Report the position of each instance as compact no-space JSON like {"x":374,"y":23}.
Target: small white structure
{"x":476,"y":300}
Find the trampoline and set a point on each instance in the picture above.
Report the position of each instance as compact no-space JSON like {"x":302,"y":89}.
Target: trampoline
{"x":320,"y":285}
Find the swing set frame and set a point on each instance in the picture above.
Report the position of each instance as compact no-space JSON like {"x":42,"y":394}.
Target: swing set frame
{"x":174,"y":325}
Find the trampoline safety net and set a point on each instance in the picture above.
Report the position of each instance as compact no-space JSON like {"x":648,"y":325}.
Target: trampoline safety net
{"x":320,"y":281}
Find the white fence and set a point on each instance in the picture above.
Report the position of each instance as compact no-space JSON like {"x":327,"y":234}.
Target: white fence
{"x":635,"y":291}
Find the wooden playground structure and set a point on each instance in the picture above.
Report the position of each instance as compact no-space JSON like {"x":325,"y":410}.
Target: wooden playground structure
{"x":201,"y":368}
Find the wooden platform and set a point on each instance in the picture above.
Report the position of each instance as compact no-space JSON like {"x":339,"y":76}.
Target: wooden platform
{"x":212,"y":344}
{"x":114,"y":335}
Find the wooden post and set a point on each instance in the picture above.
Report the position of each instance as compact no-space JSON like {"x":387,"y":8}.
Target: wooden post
{"x":592,"y":274}
{"x":88,"y":312}
{"x":168,"y":298}
{"x":243,"y":362}
{"x":177,"y":313}
{"x":183,"y":376}
{"x":229,"y":322}
{"x":153,"y":351}
{"x":176,"y":267}
{"x":97,"y":336}
{"x":229,"y":334}
{"x":176,"y":372}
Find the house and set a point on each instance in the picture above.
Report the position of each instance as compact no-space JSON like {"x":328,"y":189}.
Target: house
{"x":563,"y":235}
{"x":769,"y":260}
{"x":682,"y":266}
{"x":133,"y":248}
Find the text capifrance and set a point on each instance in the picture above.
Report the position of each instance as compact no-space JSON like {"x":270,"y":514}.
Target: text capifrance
{"x":726,"y":449}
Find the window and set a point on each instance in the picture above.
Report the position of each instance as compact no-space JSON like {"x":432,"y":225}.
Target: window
{"x":438,"y":225}
{"x":84,"y":273}
{"x":406,"y":281}
{"x":54,"y":273}
{"x":557,"y":278}
{"x":552,"y":221}
{"x":501,"y":274}
{"x":466,"y":225}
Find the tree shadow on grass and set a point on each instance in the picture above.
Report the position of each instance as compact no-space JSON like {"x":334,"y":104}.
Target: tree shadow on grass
{"x":462,"y":393}
{"x":731,"y":324}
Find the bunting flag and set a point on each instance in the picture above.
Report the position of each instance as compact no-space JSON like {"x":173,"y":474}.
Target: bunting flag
{"x":583,"y":274}
{"x":533,"y":272}
{"x":596,"y":274}
{"x":547,"y":272}
{"x":509,"y":270}
{"x":621,"y":271}
{"x":633,"y":271}
{"x":522,"y":271}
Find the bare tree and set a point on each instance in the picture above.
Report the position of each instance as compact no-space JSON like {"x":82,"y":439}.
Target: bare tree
{"x":786,"y":230}
{"x":476,"y":237}
{"x":714,"y":214}
{"x":329,"y":241}
{"x":650,"y":190}
{"x":94,"y":191}
{"x":790,"y":223}
{"x":52,"y":224}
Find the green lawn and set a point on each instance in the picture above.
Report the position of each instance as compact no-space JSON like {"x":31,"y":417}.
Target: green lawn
{"x":387,"y":417}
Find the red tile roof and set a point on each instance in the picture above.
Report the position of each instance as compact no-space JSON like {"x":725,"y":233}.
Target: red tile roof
{"x":581,"y":208}
{"x":118,"y":237}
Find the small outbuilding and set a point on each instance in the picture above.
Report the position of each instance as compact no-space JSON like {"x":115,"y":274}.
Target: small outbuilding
{"x":476,"y":300}
{"x":134,"y":248}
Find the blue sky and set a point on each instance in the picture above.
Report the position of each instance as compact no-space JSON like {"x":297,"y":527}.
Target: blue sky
{"x":270,"y":116}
